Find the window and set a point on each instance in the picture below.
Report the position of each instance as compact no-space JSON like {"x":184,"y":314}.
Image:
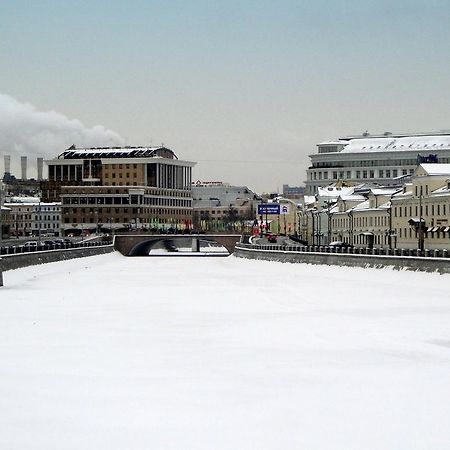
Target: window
{"x":358,"y":174}
{"x":372,"y":174}
{"x":395,"y":173}
{"x":381,"y":173}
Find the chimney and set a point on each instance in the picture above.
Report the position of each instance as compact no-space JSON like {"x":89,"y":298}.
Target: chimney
{"x":7,"y":159}
{"x":23,"y":163}
{"x":40,"y":166}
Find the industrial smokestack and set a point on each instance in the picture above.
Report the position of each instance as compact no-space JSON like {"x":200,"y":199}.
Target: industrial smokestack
{"x":23,"y":163}
{"x":40,"y":166}
{"x":7,"y":159}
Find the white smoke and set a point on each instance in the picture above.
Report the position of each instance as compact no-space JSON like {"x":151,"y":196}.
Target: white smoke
{"x":25,"y":131}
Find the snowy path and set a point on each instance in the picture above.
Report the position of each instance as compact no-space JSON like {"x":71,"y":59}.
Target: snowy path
{"x":221,"y":353}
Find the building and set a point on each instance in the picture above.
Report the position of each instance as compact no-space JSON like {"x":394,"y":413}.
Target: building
{"x":415,"y":215}
{"x":116,"y":188}
{"x":293,"y":192}
{"x":382,"y":159}
{"x":421,"y":212}
{"x":219,"y":206}
{"x":30,"y":217}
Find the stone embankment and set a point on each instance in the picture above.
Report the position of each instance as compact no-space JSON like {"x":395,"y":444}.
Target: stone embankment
{"x":427,"y":261}
{"x":10,"y":262}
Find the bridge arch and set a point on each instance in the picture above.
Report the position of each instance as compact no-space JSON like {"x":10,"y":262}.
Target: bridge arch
{"x":140,"y":245}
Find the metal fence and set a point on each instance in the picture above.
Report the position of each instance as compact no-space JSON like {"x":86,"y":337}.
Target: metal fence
{"x":20,"y":249}
{"x":438,"y":253}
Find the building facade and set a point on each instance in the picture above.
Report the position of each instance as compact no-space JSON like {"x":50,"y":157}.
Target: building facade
{"x":382,"y":159}
{"x":219,"y":206}
{"x":30,"y":217}
{"x":416,"y":215}
{"x":121,"y":188}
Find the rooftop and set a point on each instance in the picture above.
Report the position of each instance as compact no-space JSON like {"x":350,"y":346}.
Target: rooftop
{"x":116,"y":152}
{"x":425,"y":143}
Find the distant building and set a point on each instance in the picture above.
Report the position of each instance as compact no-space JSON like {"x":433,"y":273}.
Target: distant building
{"x":221,"y":206}
{"x":293,"y":191}
{"x":30,"y":217}
{"x":382,"y":159}
{"x":117,"y":188}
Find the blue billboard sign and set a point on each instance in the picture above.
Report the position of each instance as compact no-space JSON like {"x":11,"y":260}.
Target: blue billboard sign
{"x":268,"y":208}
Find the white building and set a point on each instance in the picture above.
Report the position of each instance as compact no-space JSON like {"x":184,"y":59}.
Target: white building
{"x":375,"y":159}
{"x":30,"y":217}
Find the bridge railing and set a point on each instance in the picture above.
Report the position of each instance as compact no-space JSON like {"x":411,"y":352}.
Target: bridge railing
{"x":427,"y":253}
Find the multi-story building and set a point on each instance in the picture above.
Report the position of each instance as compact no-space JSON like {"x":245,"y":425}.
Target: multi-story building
{"x":30,"y":217}
{"x":220,"y":206}
{"x":416,"y":215}
{"x":120,"y":188}
{"x":382,"y":159}
{"x":421,"y":212}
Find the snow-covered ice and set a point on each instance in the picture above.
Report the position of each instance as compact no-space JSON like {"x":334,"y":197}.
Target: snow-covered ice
{"x":121,"y":353}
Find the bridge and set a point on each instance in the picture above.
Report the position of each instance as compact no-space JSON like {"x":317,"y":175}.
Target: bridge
{"x":141,"y":244}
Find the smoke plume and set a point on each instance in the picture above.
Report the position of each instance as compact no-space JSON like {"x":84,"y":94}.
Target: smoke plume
{"x":26,"y":131}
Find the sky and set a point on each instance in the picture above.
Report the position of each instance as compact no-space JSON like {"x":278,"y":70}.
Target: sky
{"x":244,"y":88}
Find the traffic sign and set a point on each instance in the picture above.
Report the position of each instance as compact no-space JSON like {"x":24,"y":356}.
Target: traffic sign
{"x":268,"y":208}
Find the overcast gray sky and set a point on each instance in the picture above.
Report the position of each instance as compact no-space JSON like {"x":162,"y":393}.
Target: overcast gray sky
{"x":245,"y":88}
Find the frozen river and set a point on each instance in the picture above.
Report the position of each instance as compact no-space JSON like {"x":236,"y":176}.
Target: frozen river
{"x":122,"y":353}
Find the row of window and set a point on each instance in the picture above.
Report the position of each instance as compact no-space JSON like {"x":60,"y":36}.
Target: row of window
{"x":427,"y":210}
{"x":372,"y":163}
{"x":359,"y":174}
{"x":127,"y":200}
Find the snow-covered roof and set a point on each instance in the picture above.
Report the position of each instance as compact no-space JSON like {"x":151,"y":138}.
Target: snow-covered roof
{"x":353,"y":198}
{"x":30,"y":200}
{"x":436,"y":169}
{"x":334,"y":191}
{"x":115,"y":152}
{"x":362,"y":205}
{"x":309,"y":199}
{"x":384,"y":191}
{"x":422,"y":143}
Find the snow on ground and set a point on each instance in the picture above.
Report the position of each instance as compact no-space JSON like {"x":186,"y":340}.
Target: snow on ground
{"x":121,"y":353}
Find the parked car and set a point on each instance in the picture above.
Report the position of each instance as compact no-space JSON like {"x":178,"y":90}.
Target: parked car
{"x":272,"y":238}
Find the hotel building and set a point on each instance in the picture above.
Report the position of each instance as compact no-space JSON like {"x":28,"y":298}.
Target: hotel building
{"x":120,"y":188}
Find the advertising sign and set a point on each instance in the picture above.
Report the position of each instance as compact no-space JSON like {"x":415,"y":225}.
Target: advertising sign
{"x":268,"y":208}
{"x":284,"y":209}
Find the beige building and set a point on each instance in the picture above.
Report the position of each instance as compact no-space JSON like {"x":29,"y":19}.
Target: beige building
{"x":121,"y":188}
{"x":426,"y":201}
{"x":415,"y":216}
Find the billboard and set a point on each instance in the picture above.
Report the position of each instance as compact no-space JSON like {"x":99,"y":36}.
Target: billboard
{"x":268,"y":208}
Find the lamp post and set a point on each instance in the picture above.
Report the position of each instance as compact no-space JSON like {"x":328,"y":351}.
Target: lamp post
{"x":350,"y":218}
{"x":39,"y":219}
{"x":421,"y":242}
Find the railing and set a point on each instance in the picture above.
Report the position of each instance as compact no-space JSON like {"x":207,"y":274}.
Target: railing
{"x":20,"y":249}
{"x":437,"y":253}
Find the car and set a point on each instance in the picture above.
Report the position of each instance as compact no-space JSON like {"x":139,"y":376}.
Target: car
{"x":339,"y":244}
{"x":272,"y":238}
{"x":30,"y":244}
